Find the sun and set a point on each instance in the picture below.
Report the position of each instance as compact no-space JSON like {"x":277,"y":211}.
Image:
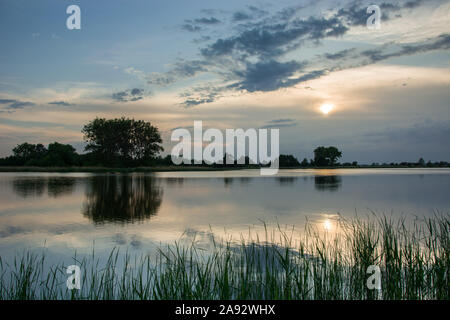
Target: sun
{"x":327,"y":224}
{"x":326,"y":108}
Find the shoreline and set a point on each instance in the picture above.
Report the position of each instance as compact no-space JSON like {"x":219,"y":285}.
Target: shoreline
{"x":186,"y":168}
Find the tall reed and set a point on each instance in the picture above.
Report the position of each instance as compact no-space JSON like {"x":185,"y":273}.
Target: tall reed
{"x":413,"y":259}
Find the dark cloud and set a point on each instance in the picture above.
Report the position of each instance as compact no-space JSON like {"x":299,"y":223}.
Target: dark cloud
{"x":196,"y":24}
{"x":61,"y":103}
{"x":241,"y":16}
{"x":267,"y":76}
{"x":7,"y":101}
{"x":16,"y":104}
{"x":120,"y":96}
{"x":272,"y":40}
{"x":311,"y":75}
{"x":194,"y":102}
{"x":279,"y":123}
{"x":413,"y":4}
{"x":191,"y":28}
{"x":181,"y":70}
{"x":200,"y":95}
{"x":211,"y":20}
{"x":340,"y":55}
{"x":137,"y":92}
{"x":440,"y":42}
{"x":128,"y":95}
{"x":281,"y":120}
{"x":251,"y":59}
{"x":257,"y":11}
{"x":355,"y":15}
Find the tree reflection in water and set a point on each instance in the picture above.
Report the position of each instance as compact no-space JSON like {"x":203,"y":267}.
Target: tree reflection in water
{"x":122,"y":198}
{"x":36,"y":187}
{"x":327,"y":183}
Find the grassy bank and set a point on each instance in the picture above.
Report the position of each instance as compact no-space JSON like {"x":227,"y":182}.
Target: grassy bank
{"x":414,"y":261}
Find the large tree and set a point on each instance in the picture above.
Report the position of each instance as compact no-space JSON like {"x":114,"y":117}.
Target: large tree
{"x":326,"y":156}
{"x":60,"y":155}
{"x":122,"y":140}
{"x":27,"y":152}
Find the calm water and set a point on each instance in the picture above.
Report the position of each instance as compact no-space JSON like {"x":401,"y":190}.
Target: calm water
{"x":77,"y":211}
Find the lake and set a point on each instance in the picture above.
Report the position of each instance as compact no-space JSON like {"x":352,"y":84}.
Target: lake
{"x":68,"y":212}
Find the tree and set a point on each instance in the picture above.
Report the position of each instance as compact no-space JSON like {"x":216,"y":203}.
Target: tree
{"x":27,"y":152}
{"x":333,"y":155}
{"x":288,"y":161}
{"x":304,"y":163}
{"x":326,"y":156}
{"x":421,"y":162}
{"x":60,"y":155}
{"x":122,"y":141}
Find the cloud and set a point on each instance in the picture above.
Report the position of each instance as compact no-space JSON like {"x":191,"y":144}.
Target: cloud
{"x":254,"y":58}
{"x":202,"y":94}
{"x":196,"y":24}
{"x":279,"y":123}
{"x":187,"y":128}
{"x":427,"y":132}
{"x":128,"y":95}
{"x":16,"y":104}
{"x":340,"y":55}
{"x":440,"y":42}
{"x":274,"y":39}
{"x":241,"y":16}
{"x":61,"y":103}
{"x":181,"y":70}
{"x":413,"y":4}
{"x":267,"y":76}
{"x":211,"y":20}
{"x":271,"y":75}
{"x":191,"y":28}
{"x":7,"y":101}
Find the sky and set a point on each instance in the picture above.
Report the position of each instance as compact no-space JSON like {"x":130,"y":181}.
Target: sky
{"x":233,"y":64}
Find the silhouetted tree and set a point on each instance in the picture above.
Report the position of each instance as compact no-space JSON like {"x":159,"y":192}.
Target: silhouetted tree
{"x":122,"y":141}
{"x":304,"y":163}
{"x":326,"y":156}
{"x":26,"y":152}
{"x":421,"y":162}
{"x":60,"y":155}
{"x":288,"y":160}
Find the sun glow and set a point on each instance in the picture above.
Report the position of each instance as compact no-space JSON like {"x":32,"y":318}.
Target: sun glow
{"x":326,"y":108}
{"x":327,"y":224}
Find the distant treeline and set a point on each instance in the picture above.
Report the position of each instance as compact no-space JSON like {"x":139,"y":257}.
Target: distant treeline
{"x":128,"y":143}
{"x":289,"y":161}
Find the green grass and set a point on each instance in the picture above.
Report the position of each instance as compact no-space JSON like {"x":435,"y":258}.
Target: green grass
{"x":413,"y":258}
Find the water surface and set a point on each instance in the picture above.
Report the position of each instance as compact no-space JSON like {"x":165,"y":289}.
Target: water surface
{"x":64,"y":212}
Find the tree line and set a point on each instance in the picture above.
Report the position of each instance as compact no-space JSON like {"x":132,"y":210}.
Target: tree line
{"x":124,"y":142}
{"x":121,"y":142}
